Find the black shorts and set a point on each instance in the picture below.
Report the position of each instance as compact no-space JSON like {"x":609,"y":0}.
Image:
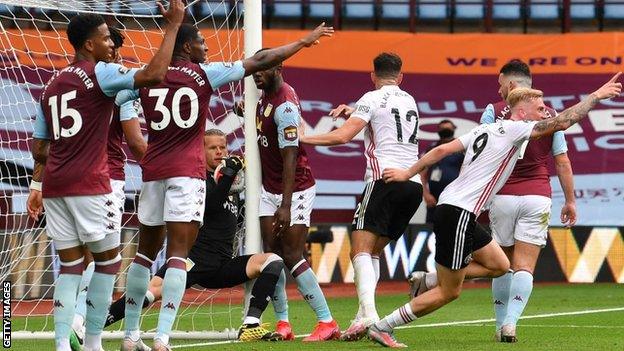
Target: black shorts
{"x":454,"y":229}
{"x":386,"y":208}
{"x":481,"y":237}
{"x":231,"y":272}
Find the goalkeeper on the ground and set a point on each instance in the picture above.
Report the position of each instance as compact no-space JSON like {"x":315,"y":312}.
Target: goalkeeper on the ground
{"x":210,"y":263}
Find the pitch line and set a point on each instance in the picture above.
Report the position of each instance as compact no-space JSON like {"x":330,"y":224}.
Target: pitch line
{"x":445,"y":324}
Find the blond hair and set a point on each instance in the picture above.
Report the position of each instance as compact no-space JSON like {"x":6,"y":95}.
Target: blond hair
{"x":522,"y":94}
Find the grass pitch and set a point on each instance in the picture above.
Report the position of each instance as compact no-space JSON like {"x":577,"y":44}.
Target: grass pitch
{"x":559,"y":317}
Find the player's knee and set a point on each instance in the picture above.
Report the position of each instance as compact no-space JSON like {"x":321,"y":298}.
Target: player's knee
{"x":451,"y":293}
{"x":291,"y":259}
{"x":108,"y":267}
{"x":272,"y":265}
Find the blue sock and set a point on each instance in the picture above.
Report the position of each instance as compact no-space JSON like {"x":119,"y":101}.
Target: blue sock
{"x":280,"y":299}
{"x":174,"y":284}
{"x":137,"y":281}
{"x":519,"y":293}
{"x":99,"y":298}
{"x":308,"y":286}
{"x":500,"y":293}
{"x":65,"y":290}
{"x":81,"y":305}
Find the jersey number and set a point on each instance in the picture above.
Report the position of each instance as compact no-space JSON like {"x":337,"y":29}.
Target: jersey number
{"x":479,"y":145}
{"x":161,"y":94}
{"x":65,"y":111}
{"x":408,"y":116}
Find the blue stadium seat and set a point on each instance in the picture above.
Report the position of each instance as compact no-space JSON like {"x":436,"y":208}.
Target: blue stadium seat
{"x":287,"y":9}
{"x":469,"y":9}
{"x":322,"y":10}
{"x":543,"y":9}
{"x":396,"y":9}
{"x":614,"y":9}
{"x":359,"y":9}
{"x":582,"y":9}
{"x":6,"y":9}
{"x":506,"y":9}
{"x":432,"y":9}
{"x":143,"y":8}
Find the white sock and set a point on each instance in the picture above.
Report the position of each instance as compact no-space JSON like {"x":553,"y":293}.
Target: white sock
{"x":400,"y":316}
{"x":431,"y":280}
{"x":150,"y":297}
{"x":134,"y":335}
{"x":93,"y":341}
{"x":78,"y":322}
{"x":375,"y":260}
{"x":63,"y":345}
{"x":164,"y":338}
{"x":365,"y":284}
{"x":251,"y":320}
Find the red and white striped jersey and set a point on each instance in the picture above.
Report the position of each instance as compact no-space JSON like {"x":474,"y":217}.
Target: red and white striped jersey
{"x":491,"y":154}
{"x":391,"y":136}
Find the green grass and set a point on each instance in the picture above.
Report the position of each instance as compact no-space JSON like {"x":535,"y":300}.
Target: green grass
{"x":594,"y":331}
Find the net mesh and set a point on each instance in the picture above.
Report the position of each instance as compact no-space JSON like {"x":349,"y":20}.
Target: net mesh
{"x":33,"y":46}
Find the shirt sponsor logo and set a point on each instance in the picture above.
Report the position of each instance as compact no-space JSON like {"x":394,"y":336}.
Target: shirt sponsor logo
{"x":267,"y":110}
{"x":290,"y":133}
{"x":362,"y":108}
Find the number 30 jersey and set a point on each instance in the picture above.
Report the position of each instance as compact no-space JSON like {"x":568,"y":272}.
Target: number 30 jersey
{"x":492,"y":151}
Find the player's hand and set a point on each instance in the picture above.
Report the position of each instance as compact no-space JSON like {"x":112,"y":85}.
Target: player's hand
{"x":281,"y":220}
{"x":175,"y":13}
{"x":235,"y":163}
{"x":341,"y":111}
{"x":239,"y":108}
{"x":395,"y":175}
{"x":611,"y":89}
{"x":568,"y":214}
{"x":34,"y":204}
{"x":321,"y":31}
{"x":430,"y":200}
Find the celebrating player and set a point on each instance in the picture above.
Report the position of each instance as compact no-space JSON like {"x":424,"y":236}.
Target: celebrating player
{"x":491,"y":153}
{"x":390,"y":117}
{"x":288,"y":193}
{"x":211,"y":260}
{"x":173,"y":190}
{"x":73,"y":121}
{"x":122,"y":124}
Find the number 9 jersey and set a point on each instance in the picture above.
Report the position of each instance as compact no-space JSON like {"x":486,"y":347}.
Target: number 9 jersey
{"x":492,"y":151}
{"x":391,"y":137}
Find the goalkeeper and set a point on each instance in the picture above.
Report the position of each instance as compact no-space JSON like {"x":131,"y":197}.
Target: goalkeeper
{"x":210,"y":263}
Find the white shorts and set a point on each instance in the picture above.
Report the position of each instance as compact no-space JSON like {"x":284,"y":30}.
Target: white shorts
{"x":74,"y":220}
{"x":300,"y":210}
{"x":523,"y":218}
{"x":178,"y":199}
{"x":120,"y":196}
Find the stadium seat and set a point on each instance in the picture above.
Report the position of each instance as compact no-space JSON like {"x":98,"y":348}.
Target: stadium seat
{"x":469,"y":9}
{"x":544,"y":9}
{"x":614,"y":9}
{"x":213,"y":8}
{"x":142,"y":8}
{"x":6,"y":9}
{"x":582,"y":9}
{"x":432,"y":9}
{"x":324,"y":10}
{"x":359,"y":9}
{"x":506,"y":9}
{"x":287,"y":9}
{"x":396,"y":9}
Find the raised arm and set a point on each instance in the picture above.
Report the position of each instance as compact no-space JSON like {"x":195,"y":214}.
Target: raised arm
{"x":155,"y":71}
{"x":430,"y":158}
{"x":342,"y":135}
{"x":268,"y":58}
{"x":577,"y":112}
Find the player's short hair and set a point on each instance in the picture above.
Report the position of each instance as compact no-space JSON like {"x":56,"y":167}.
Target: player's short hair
{"x":519,"y":71}
{"x":116,"y":37}
{"x":447,"y":121}
{"x":214,"y":132}
{"x":519,"y":95}
{"x":186,"y":34}
{"x":387,"y":65}
{"x":81,"y":27}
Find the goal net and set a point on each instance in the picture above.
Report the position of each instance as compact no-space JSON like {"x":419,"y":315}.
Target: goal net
{"x":33,"y":45}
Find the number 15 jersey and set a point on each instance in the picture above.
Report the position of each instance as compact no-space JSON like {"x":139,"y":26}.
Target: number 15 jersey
{"x":390,"y":139}
{"x":492,"y":151}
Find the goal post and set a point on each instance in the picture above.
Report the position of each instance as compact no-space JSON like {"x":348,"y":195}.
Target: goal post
{"x":33,"y":46}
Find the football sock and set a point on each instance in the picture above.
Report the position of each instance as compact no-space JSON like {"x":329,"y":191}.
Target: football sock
{"x":308,"y":286}
{"x":280,"y":299}
{"x":81,"y":299}
{"x":365,"y":284}
{"x":264,"y":286}
{"x":137,"y":282}
{"x":65,"y":291}
{"x":375,"y":260}
{"x":173,"y":288}
{"x":500,"y":292}
{"x":400,"y":316}
{"x":519,"y":293}
{"x":118,"y":308}
{"x":98,"y":300}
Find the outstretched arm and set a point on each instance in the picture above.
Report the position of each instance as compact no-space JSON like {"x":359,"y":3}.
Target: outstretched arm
{"x":577,"y":112}
{"x":342,"y":135}
{"x":430,"y":158}
{"x":268,"y":58}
